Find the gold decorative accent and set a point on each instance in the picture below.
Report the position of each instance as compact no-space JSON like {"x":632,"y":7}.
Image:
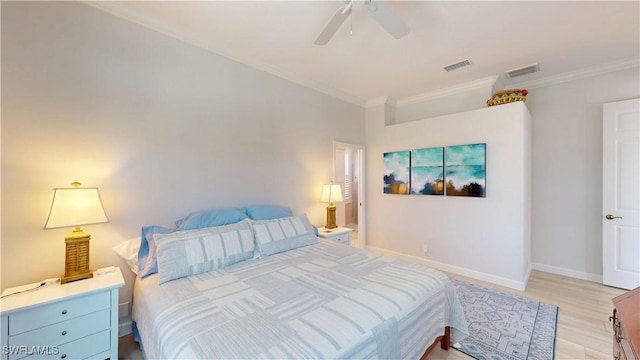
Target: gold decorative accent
{"x":76,"y":265}
{"x":507,"y":96}
{"x":331,"y":217}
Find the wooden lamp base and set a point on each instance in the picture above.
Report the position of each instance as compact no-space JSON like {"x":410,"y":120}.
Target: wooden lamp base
{"x":76,"y":264}
{"x":331,"y":217}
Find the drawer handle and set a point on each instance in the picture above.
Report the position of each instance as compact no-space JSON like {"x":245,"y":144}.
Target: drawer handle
{"x":64,"y":332}
{"x":617,"y":332}
{"x":64,"y":312}
{"x":64,"y":356}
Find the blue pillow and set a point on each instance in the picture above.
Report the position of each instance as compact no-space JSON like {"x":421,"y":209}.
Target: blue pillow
{"x":210,"y":218}
{"x":267,"y":212}
{"x":147,"y":255}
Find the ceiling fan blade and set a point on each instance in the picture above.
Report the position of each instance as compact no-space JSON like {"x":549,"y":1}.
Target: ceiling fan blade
{"x":333,"y":25}
{"x":387,"y":19}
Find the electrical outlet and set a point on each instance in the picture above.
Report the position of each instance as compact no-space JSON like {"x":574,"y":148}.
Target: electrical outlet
{"x":425,"y":249}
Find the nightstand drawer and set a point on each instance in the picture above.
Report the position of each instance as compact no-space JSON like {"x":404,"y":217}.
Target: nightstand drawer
{"x":339,"y":234}
{"x":57,"y":312}
{"x":64,"y":332}
{"x":95,"y":346}
{"x":343,"y":238}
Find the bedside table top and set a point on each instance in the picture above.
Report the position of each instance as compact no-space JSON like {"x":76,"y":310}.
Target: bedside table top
{"x":50,"y":293}
{"x":330,"y":232}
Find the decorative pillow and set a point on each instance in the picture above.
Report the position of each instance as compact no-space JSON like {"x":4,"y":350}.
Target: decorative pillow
{"x":190,"y":252}
{"x":267,"y":212}
{"x":128,"y":251}
{"x":210,"y":218}
{"x":278,"y":235}
{"x":147,"y":263}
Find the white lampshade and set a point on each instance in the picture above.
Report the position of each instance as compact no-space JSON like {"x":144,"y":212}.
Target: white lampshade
{"x":331,"y":193}
{"x":75,"y":207}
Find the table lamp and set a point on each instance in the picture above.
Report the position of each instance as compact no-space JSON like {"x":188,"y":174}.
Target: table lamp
{"x":74,"y":207}
{"x":331,"y":193}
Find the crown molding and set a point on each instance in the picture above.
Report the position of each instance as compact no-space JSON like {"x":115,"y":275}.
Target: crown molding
{"x":580,"y":74}
{"x":382,"y":100}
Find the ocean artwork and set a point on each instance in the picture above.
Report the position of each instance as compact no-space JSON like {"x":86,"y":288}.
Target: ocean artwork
{"x":465,"y":169}
{"x":396,"y":172}
{"x":427,"y":171}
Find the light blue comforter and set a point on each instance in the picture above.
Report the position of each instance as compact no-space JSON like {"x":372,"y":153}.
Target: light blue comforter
{"x":324,"y":301}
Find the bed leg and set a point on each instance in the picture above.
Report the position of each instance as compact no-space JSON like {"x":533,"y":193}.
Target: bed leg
{"x":442,"y":339}
{"x":446,"y":339}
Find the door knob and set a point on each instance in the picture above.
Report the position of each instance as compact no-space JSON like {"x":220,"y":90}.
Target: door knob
{"x":611,"y":217}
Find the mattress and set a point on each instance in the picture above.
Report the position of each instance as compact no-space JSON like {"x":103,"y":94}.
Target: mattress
{"x":323,"y":301}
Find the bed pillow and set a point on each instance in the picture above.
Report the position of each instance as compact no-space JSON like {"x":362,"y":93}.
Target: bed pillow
{"x":128,"y":251}
{"x":147,"y":263}
{"x":278,"y":235}
{"x":210,"y":218}
{"x":267,"y":212}
{"x":190,"y":252}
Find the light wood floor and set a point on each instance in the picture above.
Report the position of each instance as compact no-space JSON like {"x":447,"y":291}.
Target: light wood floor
{"x":583,"y":331}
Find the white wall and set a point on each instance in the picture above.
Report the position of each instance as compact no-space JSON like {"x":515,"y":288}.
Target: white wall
{"x":566,"y":181}
{"x":567,"y":170}
{"x":486,"y":238}
{"x":161,"y":127}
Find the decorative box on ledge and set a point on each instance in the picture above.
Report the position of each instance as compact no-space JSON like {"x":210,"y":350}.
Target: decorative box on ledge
{"x":507,"y":96}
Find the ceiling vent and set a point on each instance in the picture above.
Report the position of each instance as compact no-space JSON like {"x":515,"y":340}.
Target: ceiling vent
{"x":457,"y":65}
{"x":529,"y":69}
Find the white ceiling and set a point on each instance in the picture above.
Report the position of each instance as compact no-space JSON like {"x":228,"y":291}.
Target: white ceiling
{"x":496,"y":36}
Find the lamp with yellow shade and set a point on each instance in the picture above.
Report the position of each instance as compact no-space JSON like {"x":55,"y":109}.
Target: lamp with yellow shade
{"x":74,"y":207}
{"x":331,"y":193}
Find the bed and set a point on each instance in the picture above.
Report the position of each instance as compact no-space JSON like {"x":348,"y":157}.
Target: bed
{"x":305,"y":299}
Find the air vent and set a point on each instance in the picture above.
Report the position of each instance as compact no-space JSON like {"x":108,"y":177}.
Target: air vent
{"x":529,"y":69}
{"x":457,"y":65}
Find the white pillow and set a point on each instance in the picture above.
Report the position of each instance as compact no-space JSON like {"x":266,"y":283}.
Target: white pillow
{"x":190,"y":252}
{"x":128,"y":251}
{"x":283,"y":234}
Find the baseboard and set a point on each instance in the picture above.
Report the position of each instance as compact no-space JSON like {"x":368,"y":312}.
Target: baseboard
{"x":498,"y":280}
{"x":125,"y":327}
{"x":568,"y":272}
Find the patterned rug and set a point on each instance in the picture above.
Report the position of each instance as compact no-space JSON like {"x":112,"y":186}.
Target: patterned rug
{"x":504,"y":326}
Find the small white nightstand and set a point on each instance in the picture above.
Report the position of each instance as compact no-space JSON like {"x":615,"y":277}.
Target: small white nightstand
{"x":77,"y":320}
{"x":339,"y":234}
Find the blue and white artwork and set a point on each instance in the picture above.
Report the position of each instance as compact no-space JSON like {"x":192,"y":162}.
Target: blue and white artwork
{"x":396,"y":172}
{"x":465,"y":168}
{"x":427,"y":171}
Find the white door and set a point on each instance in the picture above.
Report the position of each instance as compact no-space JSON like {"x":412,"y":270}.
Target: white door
{"x":621,"y":194}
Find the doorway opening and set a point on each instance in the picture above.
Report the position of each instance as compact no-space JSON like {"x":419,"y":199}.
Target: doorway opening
{"x":348,"y":171}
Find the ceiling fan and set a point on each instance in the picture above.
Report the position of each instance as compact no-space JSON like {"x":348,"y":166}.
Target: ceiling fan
{"x":379,"y":12}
